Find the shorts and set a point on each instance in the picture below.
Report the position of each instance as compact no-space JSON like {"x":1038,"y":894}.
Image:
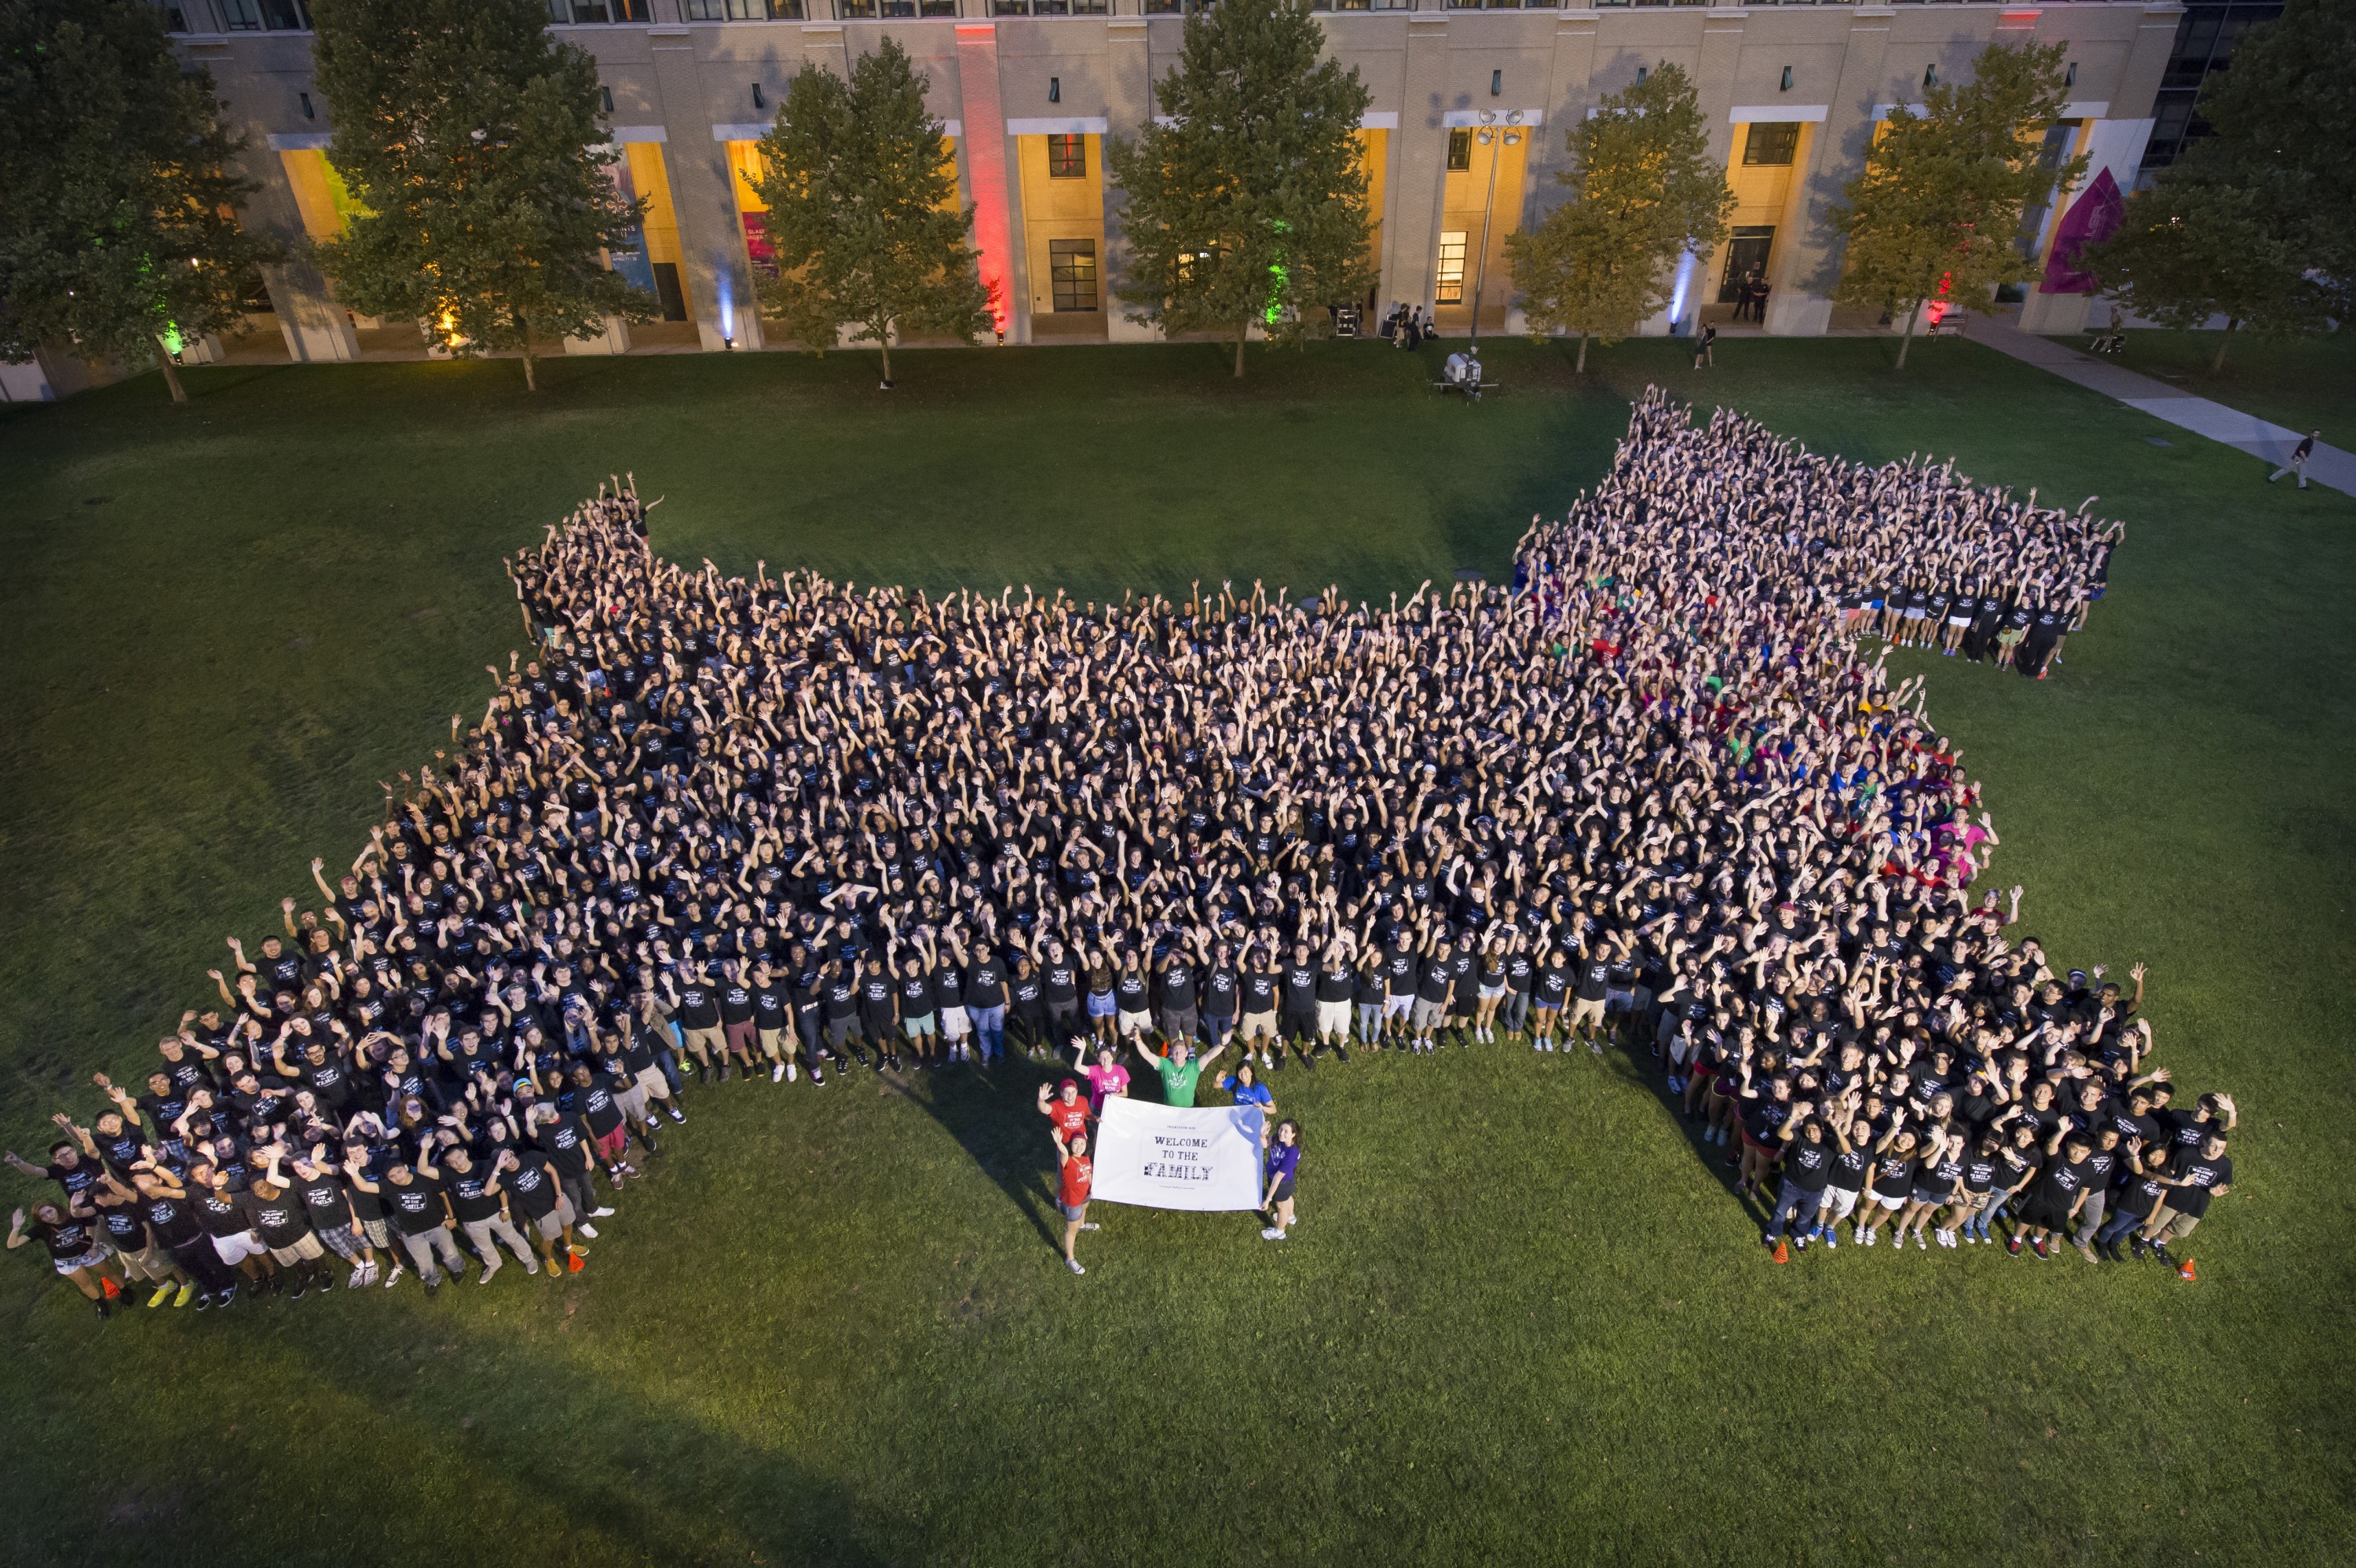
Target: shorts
{"x":1282,"y":1193}
{"x":920,"y":1026}
{"x":1959,"y":620}
{"x":1923,"y":1195}
{"x":552,"y":1224}
{"x":609,"y":1147}
{"x":1134,"y":1023}
{"x":1101,"y":1005}
{"x":1618,"y":1001}
{"x":1916,"y":611}
{"x":378,"y":1233}
{"x":1840,"y":1203}
{"x":955,"y":1023}
{"x":839,"y":1030}
{"x":1425,"y":1015}
{"x":89,"y":1259}
{"x":1075,"y":1212}
{"x":632,"y":1101}
{"x":148,"y":1263}
{"x":772,"y":1045}
{"x":1490,"y":993}
{"x":234,"y":1250}
{"x":742,"y":1037}
{"x":1178,"y":1023}
{"x":1258,"y":1026}
{"x":1333,"y":1018}
{"x":342,"y":1240}
{"x":1399,"y":1007}
{"x":2008,"y":639}
{"x":1887,"y":1202}
{"x":2171,"y":1226}
{"x":706,"y":1041}
{"x":1584,"y":1011}
{"x":653,"y":1085}
{"x":305,"y":1248}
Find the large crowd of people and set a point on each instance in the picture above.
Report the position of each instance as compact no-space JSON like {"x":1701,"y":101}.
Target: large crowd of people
{"x":1659,"y":795}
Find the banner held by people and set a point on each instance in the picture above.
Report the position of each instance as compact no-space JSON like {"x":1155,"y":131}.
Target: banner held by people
{"x":1162,"y":1157}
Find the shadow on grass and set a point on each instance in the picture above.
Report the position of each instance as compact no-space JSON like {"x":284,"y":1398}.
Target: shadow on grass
{"x":988,"y":1112}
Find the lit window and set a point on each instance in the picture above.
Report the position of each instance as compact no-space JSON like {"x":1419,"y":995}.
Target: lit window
{"x":1451,"y":269}
{"x":1071,"y":270}
{"x":1771,"y":143}
{"x":1068,"y":157}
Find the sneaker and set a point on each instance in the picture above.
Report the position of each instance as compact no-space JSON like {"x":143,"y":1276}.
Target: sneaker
{"x":2087,"y":1253}
{"x":1074,"y":1265}
{"x":599,"y":1213}
{"x":531,"y":1268}
{"x":433,"y":1287}
{"x":1801,"y":1241}
{"x":1270,"y":1233}
{"x":2038,"y":1242}
{"x":105,"y":1304}
{"x":1342,"y":1053}
{"x":778,"y":1073}
{"x":1090,"y":1226}
{"x":1832,"y":1242}
{"x":791,"y":1074}
{"x":485,"y":1278}
{"x":1309,"y":1061}
{"x":188,"y":1291}
{"x":227,"y":1298}
{"x":2134,"y":1247}
{"x":673,"y":1112}
{"x":1919,"y":1244}
{"x":205,"y":1302}
{"x":1870,"y":1237}
{"x":300,"y":1287}
{"x":2012,"y":1243}
{"x":1595,"y":1046}
{"x":585,"y":1228}
{"x":157,"y":1299}
{"x":394,"y":1277}
{"x":818,"y":1078}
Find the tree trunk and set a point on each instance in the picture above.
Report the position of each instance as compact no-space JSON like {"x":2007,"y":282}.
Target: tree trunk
{"x":1907,"y":341}
{"x":1241,"y":333}
{"x":885,"y":343}
{"x":530,"y":381}
{"x":1581,"y":369}
{"x":172,"y":375}
{"x":2224,"y":339}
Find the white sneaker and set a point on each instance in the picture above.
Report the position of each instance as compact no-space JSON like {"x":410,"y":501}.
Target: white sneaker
{"x":394,"y":1278}
{"x":1074,"y":1265}
{"x":486,"y":1277}
{"x":1870,"y":1237}
{"x":531,"y":1268}
{"x":1090,"y":1226}
{"x":790,"y":1074}
{"x":586,"y":1228}
{"x":1919,"y":1244}
{"x":1270,"y":1233}
{"x":778,"y":1073}
{"x":599,"y":1213}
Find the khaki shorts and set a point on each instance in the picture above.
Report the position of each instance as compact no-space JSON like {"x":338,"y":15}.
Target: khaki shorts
{"x":1583,"y":1009}
{"x":306,"y":1248}
{"x":149,"y":1262}
{"x":1257,"y":1026}
{"x":652,"y":1084}
{"x":713,"y":1041}
{"x":1333,"y":1018}
{"x":772,"y":1047}
{"x":1135,"y":1023}
{"x":632,"y":1100}
{"x":2168,"y":1225}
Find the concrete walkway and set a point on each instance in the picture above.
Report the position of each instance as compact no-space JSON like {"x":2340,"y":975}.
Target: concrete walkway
{"x":2330,"y":466}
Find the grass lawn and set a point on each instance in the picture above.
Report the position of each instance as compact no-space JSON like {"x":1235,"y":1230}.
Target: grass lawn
{"x":2301,"y":384}
{"x":1522,"y":1319}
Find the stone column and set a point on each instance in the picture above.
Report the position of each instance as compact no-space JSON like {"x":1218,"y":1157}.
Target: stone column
{"x":718,"y":274}
{"x":1129,"y":106}
{"x":1418,"y":168}
{"x":1802,"y":303}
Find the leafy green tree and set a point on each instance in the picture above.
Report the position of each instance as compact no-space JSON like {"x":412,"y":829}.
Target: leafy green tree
{"x":2256,"y":223}
{"x":862,"y":214}
{"x":1936,"y":211}
{"x":1645,"y":191}
{"x":1246,"y":203}
{"x":117,"y":214}
{"x":470,"y":141}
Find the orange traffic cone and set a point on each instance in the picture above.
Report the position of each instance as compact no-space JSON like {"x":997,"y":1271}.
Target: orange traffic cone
{"x":1782,"y":1253}
{"x":574,"y":1263}
{"x":112,"y":1289}
{"x":2184,"y":1271}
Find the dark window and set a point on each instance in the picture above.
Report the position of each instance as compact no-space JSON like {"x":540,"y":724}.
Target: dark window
{"x":845,"y":10}
{"x":1068,"y":157}
{"x":667,"y":290}
{"x":1460,"y":150}
{"x":271,"y":15}
{"x":175,"y":15}
{"x":1071,"y":270}
{"x":1010,"y":8}
{"x":2205,"y":37}
{"x":582,"y":13}
{"x":1771,"y":143}
{"x":939,"y":7}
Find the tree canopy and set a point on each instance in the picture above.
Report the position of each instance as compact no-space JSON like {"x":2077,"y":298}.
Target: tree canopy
{"x":863,"y":215}
{"x":470,"y":140}
{"x":1645,"y":191}
{"x":118,"y":227}
{"x":1245,"y":204}
{"x":1936,"y":213}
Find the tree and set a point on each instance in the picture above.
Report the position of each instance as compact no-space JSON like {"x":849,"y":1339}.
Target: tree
{"x":1935,"y":214}
{"x":1246,"y":203}
{"x":2256,"y":223}
{"x":862,"y":214}
{"x":1645,"y":191}
{"x":471,"y":145}
{"x":118,"y":227}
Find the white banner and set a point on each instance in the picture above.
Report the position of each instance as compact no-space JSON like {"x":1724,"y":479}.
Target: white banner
{"x":1163,"y":1157}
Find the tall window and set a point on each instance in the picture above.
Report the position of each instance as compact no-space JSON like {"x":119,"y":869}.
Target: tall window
{"x":1072,"y":273}
{"x":1771,"y":143}
{"x":2205,"y":37}
{"x":1068,"y":157}
{"x":266,"y":16}
{"x":1460,"y":150}
{"x":1451,"y":269}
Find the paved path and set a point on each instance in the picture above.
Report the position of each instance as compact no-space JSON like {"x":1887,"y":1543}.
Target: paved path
{"x":2330,"y":466}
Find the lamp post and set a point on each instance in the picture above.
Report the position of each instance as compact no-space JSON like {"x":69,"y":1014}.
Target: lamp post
{"x":1486,"y":137}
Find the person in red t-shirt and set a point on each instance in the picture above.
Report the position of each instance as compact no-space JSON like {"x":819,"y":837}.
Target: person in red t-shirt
{"x":1067,"y":1114}
{"x":1079,"y":1171}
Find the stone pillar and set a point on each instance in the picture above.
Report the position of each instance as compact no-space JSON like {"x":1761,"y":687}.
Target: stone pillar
{"x":1418,"y":168}
{"x":989,"y":183}
{"x":718,"y":274}
{"x":1802,"y":303}
{"x":1129,"y":106}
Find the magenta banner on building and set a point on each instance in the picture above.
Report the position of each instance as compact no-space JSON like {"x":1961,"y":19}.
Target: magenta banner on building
{"x":2092,"y":219}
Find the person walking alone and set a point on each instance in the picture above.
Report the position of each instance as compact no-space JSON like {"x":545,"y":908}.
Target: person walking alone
{"x":2297,"y":464}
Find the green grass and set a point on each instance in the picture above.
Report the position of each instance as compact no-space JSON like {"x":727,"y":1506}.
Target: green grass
{"x":1522,"y":1321}
{"x":2301,"y":383}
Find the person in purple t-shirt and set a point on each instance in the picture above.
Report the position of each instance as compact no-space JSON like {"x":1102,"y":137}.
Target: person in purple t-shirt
{"x":1283,"y":1165}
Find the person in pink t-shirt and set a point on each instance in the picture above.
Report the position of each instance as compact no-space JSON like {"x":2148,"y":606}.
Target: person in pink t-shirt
{"x":1107,"y":1080}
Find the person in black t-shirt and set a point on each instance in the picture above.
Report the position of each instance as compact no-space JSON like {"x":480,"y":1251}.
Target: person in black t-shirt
{"x":76,"y":1248}
{"x":420,"y":1218}
{"x":2206,"y":1174}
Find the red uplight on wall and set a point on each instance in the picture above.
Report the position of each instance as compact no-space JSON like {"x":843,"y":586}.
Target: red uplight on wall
{"x":984,"y":128}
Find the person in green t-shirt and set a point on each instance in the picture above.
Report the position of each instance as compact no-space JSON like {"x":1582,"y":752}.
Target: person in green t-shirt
{"x":1179,"y":1069}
